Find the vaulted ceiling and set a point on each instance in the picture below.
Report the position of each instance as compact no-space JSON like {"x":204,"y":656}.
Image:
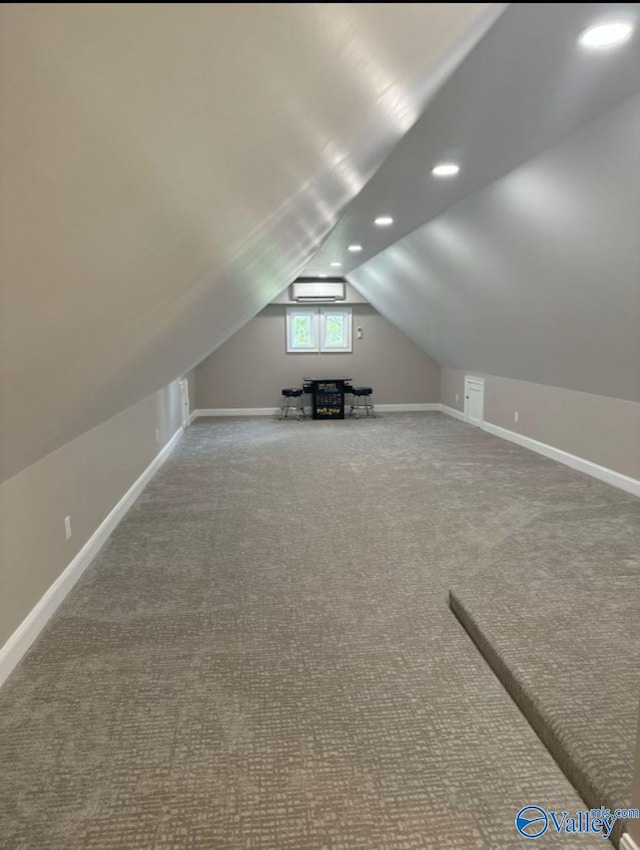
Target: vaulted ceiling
{"x":526,"y":85}
{"x":168,"y":168}
{"x":526,"y":264}
{"x":535,"y":277}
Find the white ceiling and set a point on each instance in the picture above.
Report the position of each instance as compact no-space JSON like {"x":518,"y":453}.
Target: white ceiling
{"x":525,"y":85}
{"x":167,"y":169}
{"x":535,"y":277}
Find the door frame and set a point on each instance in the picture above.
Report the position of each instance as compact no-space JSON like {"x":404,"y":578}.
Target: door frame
{"x":185,"y":410}
{"x":478,"y":385}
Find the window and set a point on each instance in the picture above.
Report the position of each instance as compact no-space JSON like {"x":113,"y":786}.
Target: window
{"x":302,"y":329}
{"x":335,"y":327}
{"x":318,"y":329}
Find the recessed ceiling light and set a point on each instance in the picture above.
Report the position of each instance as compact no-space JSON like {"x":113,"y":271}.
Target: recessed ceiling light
{"x":445,"y":169}
{"x":335,"y":265}
{"x":355,"y":248}
{"x":606,"y":33}
{"x":383,"y":221}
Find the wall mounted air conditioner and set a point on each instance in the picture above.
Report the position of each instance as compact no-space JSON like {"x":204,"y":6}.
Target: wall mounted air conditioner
{"x":318,"y":290}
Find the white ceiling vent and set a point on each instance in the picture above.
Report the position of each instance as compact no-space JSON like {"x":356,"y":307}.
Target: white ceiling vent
{"x":318,"y":290}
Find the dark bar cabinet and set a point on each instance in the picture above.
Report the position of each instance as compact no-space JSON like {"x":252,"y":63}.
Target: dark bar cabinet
{"x":328,"y":396}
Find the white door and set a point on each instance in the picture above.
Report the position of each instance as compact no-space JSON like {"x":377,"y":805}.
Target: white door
{"x":474,"y":401}
{"x":184,"y":401}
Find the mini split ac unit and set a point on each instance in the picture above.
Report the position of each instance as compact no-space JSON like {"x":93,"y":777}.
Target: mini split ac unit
{"x":318,"y":290}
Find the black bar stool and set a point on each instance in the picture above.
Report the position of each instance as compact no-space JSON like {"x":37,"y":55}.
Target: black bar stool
{"x":292,"y":400}
{"x":361,"y":400}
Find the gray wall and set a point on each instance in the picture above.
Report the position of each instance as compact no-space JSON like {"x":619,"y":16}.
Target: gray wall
{"x":600,"y":429}
{"x":84,"y":480}
{"x":536,"y":277}
{"x":251,"y":368}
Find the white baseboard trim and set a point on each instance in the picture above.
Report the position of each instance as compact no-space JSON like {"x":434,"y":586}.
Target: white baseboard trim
{"x":405,"y":408}
{"x":451,"y":411}
{"x":235,"y":411}
{"x":603,"y":473}
{"x":273,"y":411}
{"x":29,"y":629}
{"x":193,"y":415}
{"x":627,"y":842}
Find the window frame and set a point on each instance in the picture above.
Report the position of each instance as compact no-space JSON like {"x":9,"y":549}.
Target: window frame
{"x":318,"y":330}
{"x":314,"y":347}
{"x":347,"y":348}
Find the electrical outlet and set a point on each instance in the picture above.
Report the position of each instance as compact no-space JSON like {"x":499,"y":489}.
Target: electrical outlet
{"x":457,"y":397}
{"x":516,"y":416}
{"x":157,"y":436}
{"x":358,"y":333}
{"x":67,"y":527}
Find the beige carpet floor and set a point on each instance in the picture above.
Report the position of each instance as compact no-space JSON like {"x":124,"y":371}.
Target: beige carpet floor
{"x":262,"y":656}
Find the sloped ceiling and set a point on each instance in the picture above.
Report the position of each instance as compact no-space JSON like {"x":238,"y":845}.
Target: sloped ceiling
{"x":168,"y":169}
{"x":527,"y":263}
{"x":536,"y":277}
{"x":526,"y":85}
